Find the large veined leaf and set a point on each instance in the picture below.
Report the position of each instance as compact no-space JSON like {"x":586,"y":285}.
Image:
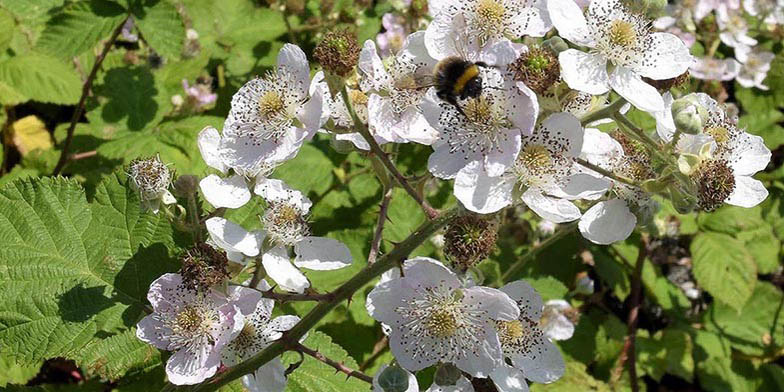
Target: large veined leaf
{"x":724,"y":268}
{"x":75,"y":272}
{"x":161,"y":26}
{"x":313,"y":375}
{"x":40,"y":78}
{"x":79,"y":27}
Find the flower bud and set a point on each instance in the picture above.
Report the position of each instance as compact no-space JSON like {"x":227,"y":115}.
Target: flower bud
{"x":186,"y":185}
{"x":447,"y":374}
{"x":689,"y":114}
{"x":555,"y":44}
{"x":393,"y":379}
{"x":585,"y":284}
{"x":468,"y":240}
{"x":338,"y":52}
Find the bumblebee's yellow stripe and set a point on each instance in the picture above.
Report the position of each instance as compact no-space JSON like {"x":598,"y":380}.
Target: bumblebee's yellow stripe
{"x":470,"y":73}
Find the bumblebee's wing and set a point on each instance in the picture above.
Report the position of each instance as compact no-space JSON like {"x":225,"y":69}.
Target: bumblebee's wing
{"x":416,"y":82}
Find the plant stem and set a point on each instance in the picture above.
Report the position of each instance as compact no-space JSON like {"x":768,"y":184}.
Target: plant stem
{"x":608,"y":173}
{"x":289,"y":297}
{"x":384,"y":158}
{"x":515,"y":268}
{"x":342,"y":293}
{"x":605,"y":112}
{"x":5,"y":133}
{"x":639,"y":134}
{"x":86,"y":87}
{"x":337,"y":365}
{"x":257,"y":274}
{"x":382,"y":218}
{"x":379,"y":348}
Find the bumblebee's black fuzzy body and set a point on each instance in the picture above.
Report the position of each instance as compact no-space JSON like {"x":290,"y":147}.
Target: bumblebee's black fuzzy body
{"x":457,"y":78}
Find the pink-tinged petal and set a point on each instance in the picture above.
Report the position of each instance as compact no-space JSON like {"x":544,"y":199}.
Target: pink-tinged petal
{"x":270,"y":377}
{"x":551,"y":208}
{"x":497,"y":304}
{"x":231,"y":236}
{"x":168,"y":294}
{"x":414,"y":48}
{"x":640,"y":94}
{"x":509,"y":379}
{"x":322,"y":254}
{"x":209,"y":145}
{"x":294,"y":60}
{"x":151,"y":330}
{"x":248,"y":300}
{"x":543,"y":362}
{"x":669,"y":57}
{"x":526,"y":298}
{"x":748,"y":192}
{"x":191,"y":365}
{"x":279,"y":268}
{"x":584,"y":71}
{"x":567,"y":127}
{"x":221,"y":192}
{"x":568,"y":18}
{"x":607,"y":222}
{"x":480,"y":193}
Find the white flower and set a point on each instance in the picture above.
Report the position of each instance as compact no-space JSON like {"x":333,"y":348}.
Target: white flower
{"x":488,"y":135}
{"x":755,"y":67}
{"x":272,"y":116}
{"x":394,"y":90}
{"x":232,"y":238}
{"x":394,"y":35}
{"x":493,"y":20}
{"x":613,"y":220}
{"x":554,"y":322}
{"x":285,"y":225}
{"x":710,"y":68}
{"x":545,"y":171}
{"x":396,"y":378}
{"x":257,"y":331}
{"x":621,"y":40}
{"x":433,"y":318}
{"x":151,"y":178}
{"x":462,"y":385}
{"x":734,"y":29}
{"x":772,"y":10}
{"x":531,"y":353}
{"x":195,"y":326}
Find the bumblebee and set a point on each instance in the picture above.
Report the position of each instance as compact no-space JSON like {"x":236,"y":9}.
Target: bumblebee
{"x":455,"y":77}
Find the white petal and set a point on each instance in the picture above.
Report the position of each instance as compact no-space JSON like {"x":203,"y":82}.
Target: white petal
{"x":279,"y":268}
{"x":383,"y":299}
{"x":480,"y":193}
{"x":499,"y":54}
{"x":497,"y":162}
{"x":568,"y":128}
{"x":486,"y":357}
{"x":669,"y":57}
{"x":665,"y":125}
{"x":748,"y":192}
{"x":559,"y":328}
{"x":413,"y":126}
{"x":607,"y":222}
{"x":638,"y":93}
{"x":294,"y":60}
{"x":445,"y":164}
{"x":545,"y":363}
{"x":751,"y":155}
{"x":229,"y":192}
{"x":551,"y":208}
{"x":277,"y":191}
{"x":526,"y":297}
{"x":525,"y":108}
{"x":496,"y":303}
{"x":568,"y":18}
{"x":428,"y":272}
{"x":270,"y":377}
{"x":532,"y":20}
{"x":311,"y":115}
{"x":372,"y":68}
{"x":319,"y":253}
{"x":462,"y":385}
{"x":190,"y":365}
{"x":585,"y":186}
{"x":584,"y":71}
{"x":209,"y":146}
{"x":509,"y":379}
{"x":231,"y":236}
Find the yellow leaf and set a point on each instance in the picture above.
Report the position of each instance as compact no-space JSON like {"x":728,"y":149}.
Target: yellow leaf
{"x":29,"y":134}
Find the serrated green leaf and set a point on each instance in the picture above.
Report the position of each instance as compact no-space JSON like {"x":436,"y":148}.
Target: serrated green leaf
{"x":667,"y":352}
{"x":117,"y":356}
{"x":549,"y":287}
{"x":30,"y":9}
{"x":40,"y":78}
{"x":74,"y":272}
{"x":130,"y":98}
{"x":313,"y":375}
{"x":79,"y":27}
{"x":161,"y":26}
{"x":724,"y":268}
{"x":764,"y":247}
{"x":7,"y":27}
{"x":12,"y":372}
{"x":731,"y":220}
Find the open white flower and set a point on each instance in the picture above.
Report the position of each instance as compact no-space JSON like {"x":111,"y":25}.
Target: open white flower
{"x":492,"y":20}
{"x":555,"y":322}
{"x":734,"y":28}
{"x":619,"y":40}
{"x":433,"y":318}
{"x":286,"y":226}
{"x":238,"y":243}
{"x":772,"y":10}
{"x":257,"y":331}
{"x":614,"y":219}
{"x":545,"y":171}
{"x":194,"y":325}
{"x":710,"y":68}
{"x":532,"y":354}
{"x":272,"y":116}
{"x":755,"y":67}
{"x":394,"y":90}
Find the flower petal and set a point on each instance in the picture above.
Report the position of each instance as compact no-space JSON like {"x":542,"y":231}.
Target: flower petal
{"x":640,"y":94}
{"x":231,"y":236}
{"x":480,"y":193}
{"x":750,"y":156}
{"x":293,"y":60}
{"x":526,"y":297}
{"x":584,"y":71}
{"x":509,"y":379}
{"x":570,"y":21}
{"x":544,"y":364}
{"x":221,"y":192}
{"x":607,"y":222}
{"x":191,"y":365}
{"x":669,"y":57}
{"x":270,"y":377}
{"x":278,"y":191}
{"x":322,"y":254}
{"x":748,"y":192}
{"x":445,"y":164}
{"x":209,"y":146}
{"x":551,"y":208}
{"x":279,"y":268}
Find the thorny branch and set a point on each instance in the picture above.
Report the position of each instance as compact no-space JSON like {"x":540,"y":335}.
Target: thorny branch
{"x":382,"y":218}
{"x":337,"y":365}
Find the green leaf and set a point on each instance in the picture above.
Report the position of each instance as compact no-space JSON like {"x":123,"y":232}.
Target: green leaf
{"x":668,"y":351}
{"x":764,"y":247}
{"x":7,"y":27}
{"x":12,"y":372}
{"x":724,"y":268}
{"x":731,"y":220}
{"x":576,"y":378}
{"x":39,"y":78}
{"x":118,"y":355}
{"x":161,"y":26}
{"x":549,"y":288}
{"x":759,"y":328}
{"x":313,"y":375}
{"x":130,"y":98}
{"x":79,"y":27}
{"x":75,"y":273}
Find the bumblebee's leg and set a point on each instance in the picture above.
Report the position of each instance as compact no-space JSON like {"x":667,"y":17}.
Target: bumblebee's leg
{"x":453,"y":101}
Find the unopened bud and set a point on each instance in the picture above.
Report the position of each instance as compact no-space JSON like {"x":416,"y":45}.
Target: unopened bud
{"x":447,"y":374}
{"x":338,"y":52}
{"x":683,"y":202}
{"x":186,"y":185}
{"x":393,"y":379}
{"x":585,"y":284}
{"x":689,"y":114}
{"x":468,"y":240}
{"x":556,"y":44}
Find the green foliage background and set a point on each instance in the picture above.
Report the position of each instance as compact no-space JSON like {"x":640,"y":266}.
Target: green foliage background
{"x":77,"y":254}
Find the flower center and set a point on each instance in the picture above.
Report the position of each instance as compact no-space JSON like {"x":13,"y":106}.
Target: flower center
{"x":510,"y":331}
{"x":719,"y":133}
{"x":246,"y":336}
{"x":490,"y":13}
{"x":270,"y":103}
{"x":285,"y":223}
{"x":622,"y":33}
{"x":442,"y":323}
{"x":358,"y":97}
{"x":189,"y":319}
{"x":536,"y":158}
{"x":478,"y":110}
{"x":715,"y":182}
